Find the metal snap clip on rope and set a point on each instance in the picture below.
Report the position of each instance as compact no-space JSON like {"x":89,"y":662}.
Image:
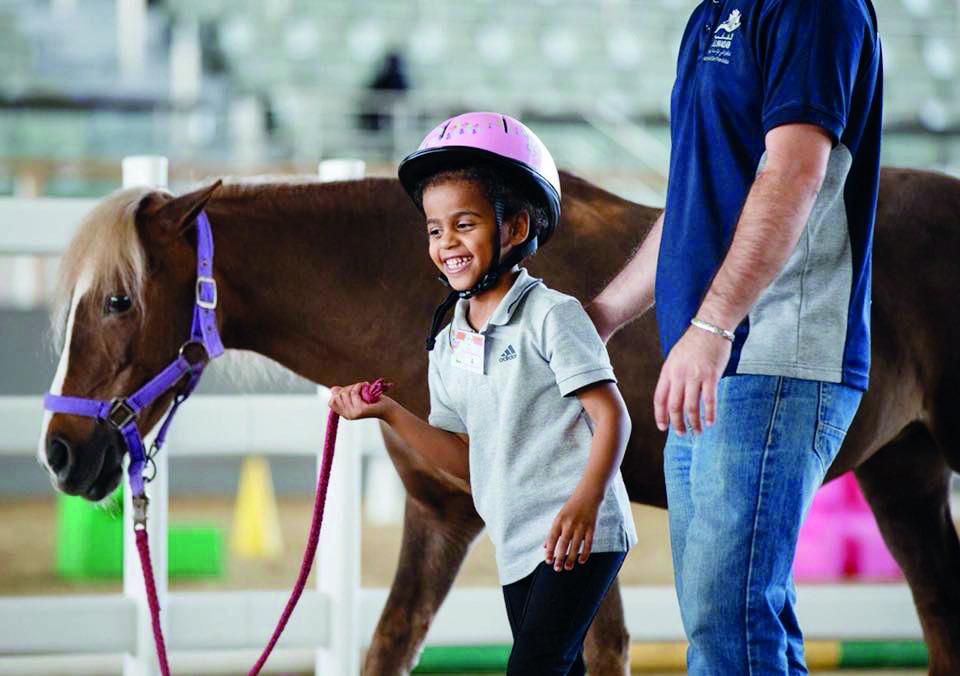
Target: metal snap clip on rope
{"x":140,"y":504}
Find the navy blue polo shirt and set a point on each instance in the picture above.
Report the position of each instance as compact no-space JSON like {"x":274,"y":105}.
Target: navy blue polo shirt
{"x":745,"y":67}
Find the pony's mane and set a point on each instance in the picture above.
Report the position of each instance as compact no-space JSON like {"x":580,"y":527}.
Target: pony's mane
{"x":247,"y":187}
{"x":107,"y":247}
{"x":239,"y":183}
{"x":245,"y":371}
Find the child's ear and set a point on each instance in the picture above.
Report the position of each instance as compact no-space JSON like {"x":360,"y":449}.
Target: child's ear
{"x":519,"y":227}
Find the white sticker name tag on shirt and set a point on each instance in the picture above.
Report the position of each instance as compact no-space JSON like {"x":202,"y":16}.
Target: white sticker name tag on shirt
{"x":468,"y":351}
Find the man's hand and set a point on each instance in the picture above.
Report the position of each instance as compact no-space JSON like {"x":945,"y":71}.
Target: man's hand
{"x":692,"y":370}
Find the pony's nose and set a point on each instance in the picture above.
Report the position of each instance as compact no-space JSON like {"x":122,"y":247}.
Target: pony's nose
{"x":58,"y":453}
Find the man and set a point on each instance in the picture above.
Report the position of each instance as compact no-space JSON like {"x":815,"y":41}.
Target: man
{"x":760,"y":268}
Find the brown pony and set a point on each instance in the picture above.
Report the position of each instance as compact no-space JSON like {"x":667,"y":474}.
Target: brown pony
{"x":333,"y":282}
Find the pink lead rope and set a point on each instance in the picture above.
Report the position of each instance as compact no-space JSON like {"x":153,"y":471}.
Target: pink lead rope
{"x":370,"y":393}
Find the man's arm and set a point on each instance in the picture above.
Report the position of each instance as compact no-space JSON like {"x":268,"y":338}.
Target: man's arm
{"x":773,"y":217}
{"x":630,"y":294}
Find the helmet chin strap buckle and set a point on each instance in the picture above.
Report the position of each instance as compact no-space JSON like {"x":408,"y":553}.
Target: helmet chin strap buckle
{"x":487,"y":282}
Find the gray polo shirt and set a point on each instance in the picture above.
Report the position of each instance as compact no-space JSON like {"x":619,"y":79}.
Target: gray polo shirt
{"x":529,"y":439}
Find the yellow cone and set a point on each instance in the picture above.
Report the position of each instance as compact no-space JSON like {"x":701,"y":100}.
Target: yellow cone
{"x":256,"y":524}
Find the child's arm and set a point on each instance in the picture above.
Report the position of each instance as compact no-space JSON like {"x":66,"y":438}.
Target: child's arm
{"x":447,"y":450}
{"x":577,"y":519}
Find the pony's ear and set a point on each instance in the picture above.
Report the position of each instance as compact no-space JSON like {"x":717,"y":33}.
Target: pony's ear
{"x":168,"y":217}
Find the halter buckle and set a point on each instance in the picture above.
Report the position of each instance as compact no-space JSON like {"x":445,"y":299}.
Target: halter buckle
{"x":121,"y":413}
{"x":212,"y":285}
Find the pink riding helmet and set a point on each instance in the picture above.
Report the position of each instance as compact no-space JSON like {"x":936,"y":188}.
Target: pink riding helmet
{"x":491,"y":138}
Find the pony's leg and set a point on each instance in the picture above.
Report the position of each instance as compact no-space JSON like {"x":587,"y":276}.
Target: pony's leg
{"x":907,"y":484}
{"x":439,"y":524}
{"x":606,"y":648}
{"x":430,"y":557}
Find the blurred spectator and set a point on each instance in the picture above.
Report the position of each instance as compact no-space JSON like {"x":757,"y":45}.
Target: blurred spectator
{"x":389,"y":85}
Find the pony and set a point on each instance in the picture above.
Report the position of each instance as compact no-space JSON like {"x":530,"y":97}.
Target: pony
{"x":332,"y":281}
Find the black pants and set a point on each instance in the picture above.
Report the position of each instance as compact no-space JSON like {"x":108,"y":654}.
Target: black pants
{"x":550,"y":613}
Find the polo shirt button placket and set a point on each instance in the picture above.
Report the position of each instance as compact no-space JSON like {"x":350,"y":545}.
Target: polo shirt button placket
{"x":708,"y":27}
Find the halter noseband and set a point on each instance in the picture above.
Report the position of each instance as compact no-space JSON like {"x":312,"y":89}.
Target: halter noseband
{"x":122,"y":413}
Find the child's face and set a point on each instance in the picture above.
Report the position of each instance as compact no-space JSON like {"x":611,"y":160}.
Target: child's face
{"x":460,"y":227}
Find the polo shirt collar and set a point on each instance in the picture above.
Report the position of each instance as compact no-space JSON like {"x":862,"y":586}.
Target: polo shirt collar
{"x":504,"y":311}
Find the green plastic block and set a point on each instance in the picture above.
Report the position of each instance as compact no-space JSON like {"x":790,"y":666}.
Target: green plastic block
{"x":89,"y":537}
{"x":474,"y":659}
{"x":195,"y":551}
{"x":883,"y":655}
{"x":90,"y":542}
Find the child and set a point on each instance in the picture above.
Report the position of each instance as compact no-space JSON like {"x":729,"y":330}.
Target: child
{"x":523,"y":400}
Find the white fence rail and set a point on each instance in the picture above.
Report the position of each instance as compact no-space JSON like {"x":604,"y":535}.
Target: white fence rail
{"x":39,"y":226}
{"x":333,"y":622}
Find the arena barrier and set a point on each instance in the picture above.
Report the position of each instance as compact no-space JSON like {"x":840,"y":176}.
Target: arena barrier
{"x":213,"y":632}
{"x":670,"y":656}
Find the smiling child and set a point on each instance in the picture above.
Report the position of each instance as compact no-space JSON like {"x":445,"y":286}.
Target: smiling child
{"x":523,"y":399}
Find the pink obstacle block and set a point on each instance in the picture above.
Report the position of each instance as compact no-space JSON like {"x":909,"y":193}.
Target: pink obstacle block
{"x":840,"y":538}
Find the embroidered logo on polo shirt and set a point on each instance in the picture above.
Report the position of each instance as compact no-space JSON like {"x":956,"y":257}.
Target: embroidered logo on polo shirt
{"x":731,"y":24}
{"x":508,"y":354}
{"x":719,"y":50}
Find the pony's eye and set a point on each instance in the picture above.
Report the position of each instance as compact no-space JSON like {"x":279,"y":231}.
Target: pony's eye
{"x":116,"y":305}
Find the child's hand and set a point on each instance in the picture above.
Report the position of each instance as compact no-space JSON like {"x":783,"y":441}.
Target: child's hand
{"x":347,"y":402}
{"x":572,"y":527}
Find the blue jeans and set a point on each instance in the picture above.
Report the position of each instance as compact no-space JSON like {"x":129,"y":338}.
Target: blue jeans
{"x":737,"y":495}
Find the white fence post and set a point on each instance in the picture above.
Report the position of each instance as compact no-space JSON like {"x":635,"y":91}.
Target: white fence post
{"x":384,"y":496}
{"x":149,"y":170}
{"x":338,"y":555}
{"x":143,"y":662}
{"x":341,"y":169}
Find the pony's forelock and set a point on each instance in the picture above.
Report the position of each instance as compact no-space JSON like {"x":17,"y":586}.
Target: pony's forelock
{"x":107,"y":247}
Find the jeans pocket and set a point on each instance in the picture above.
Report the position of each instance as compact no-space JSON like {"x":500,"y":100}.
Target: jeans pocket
{"x":826,"y":443}
{"x":836,"y":408}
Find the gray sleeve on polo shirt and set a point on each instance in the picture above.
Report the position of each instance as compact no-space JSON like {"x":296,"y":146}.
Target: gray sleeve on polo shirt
{"x":442,"y":414}
{"x":571,"y":345}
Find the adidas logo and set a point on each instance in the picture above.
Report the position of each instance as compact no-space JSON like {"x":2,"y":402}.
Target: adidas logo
{"x":508,"y":354}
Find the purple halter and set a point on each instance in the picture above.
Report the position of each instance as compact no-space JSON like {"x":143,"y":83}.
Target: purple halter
{"x":204,"y":344}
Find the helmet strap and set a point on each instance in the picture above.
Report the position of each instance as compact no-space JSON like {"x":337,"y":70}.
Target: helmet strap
{"x":497,"y":236}
{"x":438,"y":316}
